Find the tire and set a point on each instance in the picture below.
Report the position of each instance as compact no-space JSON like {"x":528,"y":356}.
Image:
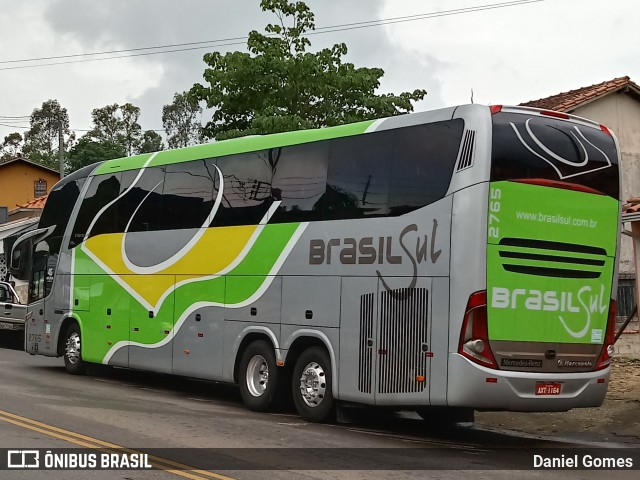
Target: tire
{"x":442,"y":417}
{"x":73,"y":362}
{"x":312,"y":386}
{"x":258,"y":377}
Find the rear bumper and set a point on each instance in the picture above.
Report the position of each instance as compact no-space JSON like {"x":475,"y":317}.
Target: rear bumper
{"x":515,"y":391}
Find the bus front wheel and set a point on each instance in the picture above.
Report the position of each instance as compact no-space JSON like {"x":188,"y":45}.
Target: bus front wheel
{"x":312,"y":385}
{"x":258,"y":376}
{"x":73,"y":362}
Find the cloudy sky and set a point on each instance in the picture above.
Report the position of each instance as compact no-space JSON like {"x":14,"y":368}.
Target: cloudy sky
{"x":506,"y":55}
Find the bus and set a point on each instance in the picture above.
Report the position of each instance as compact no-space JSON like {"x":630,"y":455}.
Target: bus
{"x":443,"y":262}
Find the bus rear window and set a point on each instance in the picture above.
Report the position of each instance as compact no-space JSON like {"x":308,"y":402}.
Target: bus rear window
{"x":537,"y":147}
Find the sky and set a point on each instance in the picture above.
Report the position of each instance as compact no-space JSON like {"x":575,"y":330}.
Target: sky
{"x":505,"y":55}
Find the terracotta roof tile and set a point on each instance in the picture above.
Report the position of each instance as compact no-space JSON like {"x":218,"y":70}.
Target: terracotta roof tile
{"x":568,"y":101}
{"x":35,"y":203}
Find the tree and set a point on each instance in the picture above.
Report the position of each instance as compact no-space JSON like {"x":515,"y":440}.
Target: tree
{"x":11,"y":146}
{"x":89,"y":150}
{"x":279,"y":86}
{"x":41,"y":140}
{"x":180,"y":121}
{"x":151,"y":142}
{"x":118,"y":124}
{"x":132,"y":131}
{"x":106,"y":123}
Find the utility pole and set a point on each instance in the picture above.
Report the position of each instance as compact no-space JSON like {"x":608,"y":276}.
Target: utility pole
{"x":60,"y":147}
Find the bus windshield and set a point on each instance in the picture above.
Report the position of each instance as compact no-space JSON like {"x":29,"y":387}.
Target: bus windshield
{"x":542,"y":147}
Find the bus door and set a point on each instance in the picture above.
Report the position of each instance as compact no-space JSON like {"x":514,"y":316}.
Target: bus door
{"x":31,"y":260}
{"x":35,"y":332}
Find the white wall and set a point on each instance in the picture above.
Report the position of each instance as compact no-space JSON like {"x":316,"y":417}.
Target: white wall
{"x":621,"y":113}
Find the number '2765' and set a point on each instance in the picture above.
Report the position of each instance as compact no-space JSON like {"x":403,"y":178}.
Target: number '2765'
{"x":495,"y":197}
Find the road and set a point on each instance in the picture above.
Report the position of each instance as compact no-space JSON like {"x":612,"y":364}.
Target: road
{"x":204,"y":427}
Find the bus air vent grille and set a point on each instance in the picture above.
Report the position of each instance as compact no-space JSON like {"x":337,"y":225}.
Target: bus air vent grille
{"x":465,"y":157}
{"x":402,"y":334}
{"x":365,"y":361}
{"x":551,"y":259}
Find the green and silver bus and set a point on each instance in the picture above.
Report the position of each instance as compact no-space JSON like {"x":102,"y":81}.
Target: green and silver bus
{"x":443,"y":261}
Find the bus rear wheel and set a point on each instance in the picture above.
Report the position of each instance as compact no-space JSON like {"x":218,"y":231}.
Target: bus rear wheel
{"x":258,"y":376}
{"x":312,"y":386}
{"x":73,"y":362}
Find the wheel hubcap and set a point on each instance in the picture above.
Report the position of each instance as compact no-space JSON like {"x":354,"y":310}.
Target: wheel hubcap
{"x":257,"y":375}
{"x":72,"y":350}
{"x":313,"y":384}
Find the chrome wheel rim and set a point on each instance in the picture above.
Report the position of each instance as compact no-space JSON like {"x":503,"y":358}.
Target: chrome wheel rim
{"x":313,"y":384}
{"x":257,"y":375}
{"x":72,"y":349}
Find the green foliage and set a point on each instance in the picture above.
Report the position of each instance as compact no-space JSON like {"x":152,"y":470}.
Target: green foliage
{"x":151,"y":142}
{"x":116,"y":133}
{"x":279,"y":86}
{"x":89,"y":150}
{"x":41,"y":140}
{"x":11,"y":146}
{"x":180,"y":121}
{"x":118,"y":124}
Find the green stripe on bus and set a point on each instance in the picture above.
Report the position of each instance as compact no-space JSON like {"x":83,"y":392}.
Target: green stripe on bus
{"x":234,"y":146}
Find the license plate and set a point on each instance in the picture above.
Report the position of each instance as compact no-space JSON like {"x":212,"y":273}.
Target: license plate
{"x":8,"y":326}
{"x":548,"y":388}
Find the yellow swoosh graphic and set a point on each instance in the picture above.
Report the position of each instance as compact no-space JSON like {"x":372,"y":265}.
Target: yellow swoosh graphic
{"x":214,"y":252}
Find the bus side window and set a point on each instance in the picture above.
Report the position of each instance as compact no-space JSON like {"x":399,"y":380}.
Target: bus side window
{"x":299,"y":181}
{"x":358,"y":177}
{"x":102,"y":190}
{"x":423,"y":162}
{"x":140,"y":206}
{"x":188,"y":194}
{"x":246,"y":196}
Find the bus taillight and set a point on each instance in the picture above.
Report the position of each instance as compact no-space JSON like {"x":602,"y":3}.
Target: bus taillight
{"x":551,"y":113}
{"x":610,"y":337}
{"x":605,"y":130}
{"x":545,"y":182}
{"x":474,"y":337}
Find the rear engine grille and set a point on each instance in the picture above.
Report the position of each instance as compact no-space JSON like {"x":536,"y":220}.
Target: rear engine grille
{"x":365,"y":356}
{"x":402,"y":342}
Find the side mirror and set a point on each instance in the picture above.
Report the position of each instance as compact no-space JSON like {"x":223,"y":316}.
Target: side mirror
{"x":22,"y":252}
{"x":20,"y":263}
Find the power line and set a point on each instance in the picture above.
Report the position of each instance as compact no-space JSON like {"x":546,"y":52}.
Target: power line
{"x":74,"y":129}
{"x":241,"y":40}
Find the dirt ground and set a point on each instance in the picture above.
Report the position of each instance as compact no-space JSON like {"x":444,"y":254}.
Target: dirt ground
{"x":617,"y":420}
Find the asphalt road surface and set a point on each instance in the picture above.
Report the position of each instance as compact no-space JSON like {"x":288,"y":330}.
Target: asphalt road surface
{"x":200,"y":430}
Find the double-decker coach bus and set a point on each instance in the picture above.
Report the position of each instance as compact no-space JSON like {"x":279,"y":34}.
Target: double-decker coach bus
{"x":443,"y":261}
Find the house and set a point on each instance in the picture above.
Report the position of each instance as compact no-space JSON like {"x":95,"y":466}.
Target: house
{"x":22,"y":180}
{"x":616,"y":104}
{"x":33,"y":208}
{"x":24,"y":186}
